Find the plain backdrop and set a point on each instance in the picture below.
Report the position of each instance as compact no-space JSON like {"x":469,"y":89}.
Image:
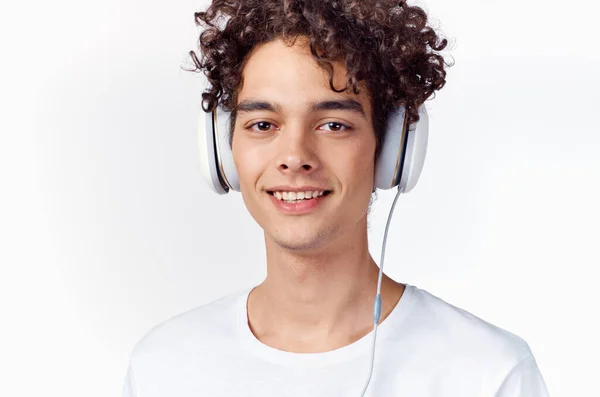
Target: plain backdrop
{"x":107,"y":229}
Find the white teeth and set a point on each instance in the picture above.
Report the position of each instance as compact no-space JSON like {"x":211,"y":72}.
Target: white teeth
{"x":295,"y":196}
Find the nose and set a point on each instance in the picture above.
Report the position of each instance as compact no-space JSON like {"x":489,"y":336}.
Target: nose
{"x":296,"y":152}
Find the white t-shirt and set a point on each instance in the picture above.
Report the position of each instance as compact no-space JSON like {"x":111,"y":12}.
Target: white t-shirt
{"x":425,"y":348}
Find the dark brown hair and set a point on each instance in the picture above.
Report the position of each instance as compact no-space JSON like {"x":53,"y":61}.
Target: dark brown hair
{"x":386,"y":44}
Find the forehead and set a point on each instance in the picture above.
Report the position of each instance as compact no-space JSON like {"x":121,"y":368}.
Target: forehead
{"x":290,"y":76}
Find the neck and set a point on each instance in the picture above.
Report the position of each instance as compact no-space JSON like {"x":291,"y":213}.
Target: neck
{"x":321,"y":300}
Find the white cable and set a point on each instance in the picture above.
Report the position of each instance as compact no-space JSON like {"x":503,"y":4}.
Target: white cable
{"x":377,"y":304}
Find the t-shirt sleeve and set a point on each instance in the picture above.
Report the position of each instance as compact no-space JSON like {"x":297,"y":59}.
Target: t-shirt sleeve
{"x":524,"y":380}
{"x":129,"y":388}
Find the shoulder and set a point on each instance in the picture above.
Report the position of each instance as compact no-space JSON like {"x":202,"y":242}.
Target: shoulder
{"x":462,"y":335}
{"x":455,"y":349}
{"x":191,"y":331}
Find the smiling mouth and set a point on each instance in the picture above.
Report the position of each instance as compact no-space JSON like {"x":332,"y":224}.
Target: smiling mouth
{"x":297,"y":197}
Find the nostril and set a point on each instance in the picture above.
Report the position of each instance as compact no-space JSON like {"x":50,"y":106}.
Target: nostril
{"x":306,"y":167}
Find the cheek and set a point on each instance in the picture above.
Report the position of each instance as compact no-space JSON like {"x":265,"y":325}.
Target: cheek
{"x":360,"y":165}
{"x":248,"y":165}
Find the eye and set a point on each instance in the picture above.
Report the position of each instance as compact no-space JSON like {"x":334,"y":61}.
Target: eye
{"x":335,"y":126}
{"x":261,"y":125}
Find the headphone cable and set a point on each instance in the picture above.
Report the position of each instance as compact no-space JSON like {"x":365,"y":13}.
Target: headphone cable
{"x":377,"y":304}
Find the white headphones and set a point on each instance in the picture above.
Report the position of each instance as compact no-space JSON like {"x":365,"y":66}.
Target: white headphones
{"x":399,"y":164}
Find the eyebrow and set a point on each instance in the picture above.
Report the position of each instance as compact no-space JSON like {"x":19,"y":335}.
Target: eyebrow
{"x":345,"y":104}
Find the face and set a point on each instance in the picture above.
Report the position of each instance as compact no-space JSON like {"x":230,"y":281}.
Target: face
{"x":294,"y":135}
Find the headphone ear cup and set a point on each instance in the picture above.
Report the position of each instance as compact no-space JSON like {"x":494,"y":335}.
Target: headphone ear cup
{"x":208,"y":154}
{"x":225,"y":161}
{"x":416,"y":149}
{"x":389,"y":163}
{"x":216,"y":159}
{"x":403,"y":151}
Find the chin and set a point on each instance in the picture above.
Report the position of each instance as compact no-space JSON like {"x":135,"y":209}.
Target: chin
{"x":307,"y":242}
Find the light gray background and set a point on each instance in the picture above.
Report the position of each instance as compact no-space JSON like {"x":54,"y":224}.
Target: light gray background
{"x":107,"y":228}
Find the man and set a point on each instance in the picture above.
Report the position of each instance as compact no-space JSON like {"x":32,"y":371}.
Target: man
{"x":282,"y":69}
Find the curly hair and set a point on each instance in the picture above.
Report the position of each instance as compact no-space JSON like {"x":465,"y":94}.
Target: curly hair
{"x":386,"y":44}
